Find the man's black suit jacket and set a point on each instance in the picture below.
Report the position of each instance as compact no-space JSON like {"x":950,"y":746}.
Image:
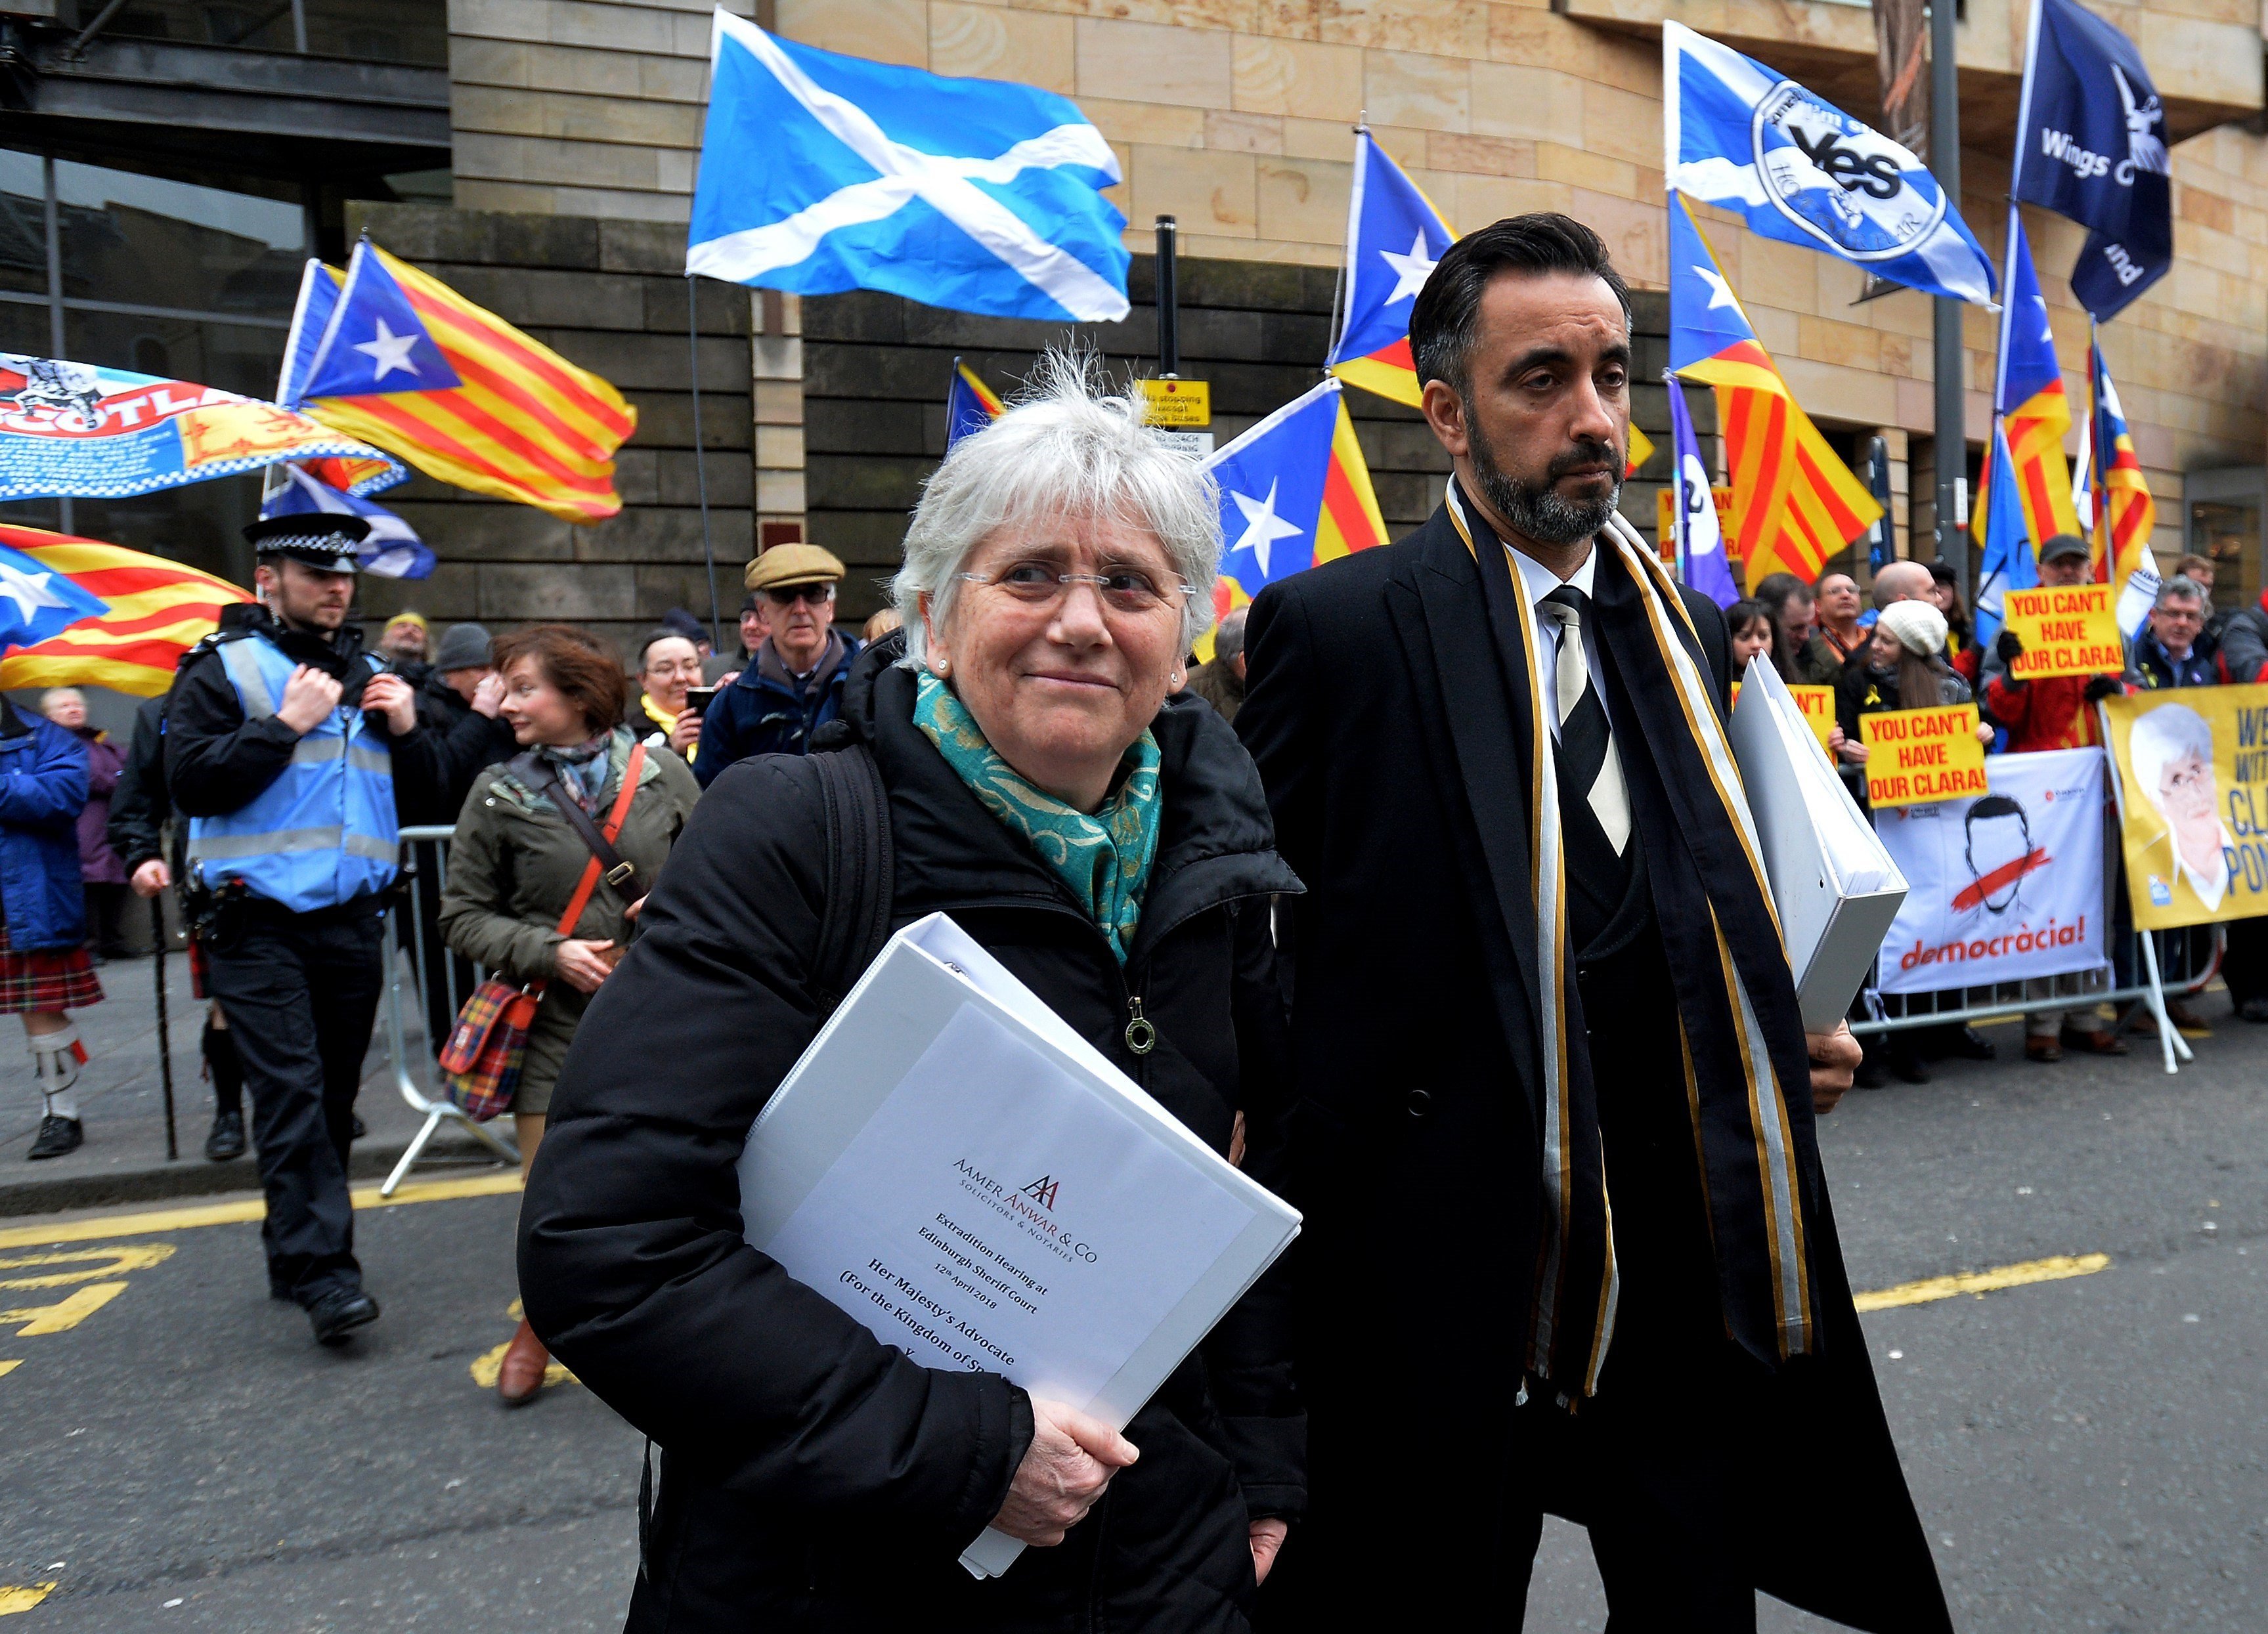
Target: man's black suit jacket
{"x":1376,"y":711}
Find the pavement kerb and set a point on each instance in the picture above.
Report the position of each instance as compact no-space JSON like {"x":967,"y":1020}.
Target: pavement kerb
{"x":194,"y":1175}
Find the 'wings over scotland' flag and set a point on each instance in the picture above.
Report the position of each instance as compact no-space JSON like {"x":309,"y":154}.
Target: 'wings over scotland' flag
{"x":1294,"y":491}
{"x":1801,"y":170}
{"x":969,"y":404}
{"x":1393,"y":237}
{"x":821,"y":173}
{"x":2091,"y":144}
{"x":391,"y":548}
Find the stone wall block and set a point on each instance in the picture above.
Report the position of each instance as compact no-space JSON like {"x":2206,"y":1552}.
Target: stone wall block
{"x":1290,"y":76}
{"x":1149,"y":62}
{"x":450,"y":595}
{"x":882,"y":31}
{"x":512,"y":593}
{"x":992,"y":42}
{"x":724,"y":307}
{"x":488,"y":533}
{"x":732,"y":481}
{"x":640,"y":361}
{"x":659,"y":534}
{"x":666,"y":419}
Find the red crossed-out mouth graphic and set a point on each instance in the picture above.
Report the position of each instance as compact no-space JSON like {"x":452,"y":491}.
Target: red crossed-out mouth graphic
{"x":2006,"y":873}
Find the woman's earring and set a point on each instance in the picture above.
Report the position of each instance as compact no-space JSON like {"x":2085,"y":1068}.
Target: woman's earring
{"x":943,"y":666}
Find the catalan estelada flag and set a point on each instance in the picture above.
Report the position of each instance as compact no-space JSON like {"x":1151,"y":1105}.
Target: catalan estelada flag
{"x":146,"y":612}
{"x":2031,"y":396}
{"x":1294,"y":491}
{"x":402,"y":361}
{"x":1393,"y":237}
{"x":969,"y":405}
{"x":1641,"y":450}
{"x":2125,"y":513}
{"x":1796,"y":503}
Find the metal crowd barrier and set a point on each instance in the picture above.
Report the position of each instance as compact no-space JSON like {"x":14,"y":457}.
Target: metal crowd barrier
{"x":424,"y":870}
{"x":2178,"y":964}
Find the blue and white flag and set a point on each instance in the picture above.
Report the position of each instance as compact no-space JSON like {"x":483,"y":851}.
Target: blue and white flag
{"x":821,"y":173}
{"x":1271,"y":490}
{"x":2009,"y":562}
{"x":359,"y":339}
{"x":2091,"y":145}
{"x":1800,"y":170}
{"x":391,"y":550}
{"x":1701,"y":560}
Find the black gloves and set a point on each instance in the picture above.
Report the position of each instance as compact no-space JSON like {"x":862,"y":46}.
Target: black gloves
{"x":2007,"y":646}
{"x":2101,"y":686}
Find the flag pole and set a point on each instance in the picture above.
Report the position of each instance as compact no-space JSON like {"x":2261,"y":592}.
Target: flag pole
{"x":1951,"y":429}
{"x":700,"y":456}
{"x":165,"y":1035}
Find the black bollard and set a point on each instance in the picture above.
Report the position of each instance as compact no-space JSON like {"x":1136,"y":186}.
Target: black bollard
{"x":164,"y":1034}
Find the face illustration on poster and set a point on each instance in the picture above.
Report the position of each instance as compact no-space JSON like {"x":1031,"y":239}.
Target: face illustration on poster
{"x":2172,"y":754}
{"x":1998,"y":850}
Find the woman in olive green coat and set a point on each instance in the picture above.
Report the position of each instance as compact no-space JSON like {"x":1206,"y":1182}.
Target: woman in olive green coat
{"x":514,"y":864}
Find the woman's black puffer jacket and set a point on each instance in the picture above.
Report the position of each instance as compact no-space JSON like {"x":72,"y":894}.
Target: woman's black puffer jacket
{"x":812,"y":1477}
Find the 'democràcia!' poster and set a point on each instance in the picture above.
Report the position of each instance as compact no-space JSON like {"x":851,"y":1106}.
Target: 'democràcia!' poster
{"x":2005,"y":888}
{"x":2193,"y":769}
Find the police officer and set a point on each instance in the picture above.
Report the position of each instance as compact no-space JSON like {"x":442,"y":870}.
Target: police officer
{"x":292,"y":752}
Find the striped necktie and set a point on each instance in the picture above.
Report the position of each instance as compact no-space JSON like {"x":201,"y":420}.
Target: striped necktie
{"x":1589,"y":765}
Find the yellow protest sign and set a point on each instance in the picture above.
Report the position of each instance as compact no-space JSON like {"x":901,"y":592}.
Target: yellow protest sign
{"x":1915,"y":757}
{"x":1665,"y":510}
{"x":2066,"y":629}
{"x":2192,"y":771}
{"x":1180,"y":405}
{"x":1818,"y":706}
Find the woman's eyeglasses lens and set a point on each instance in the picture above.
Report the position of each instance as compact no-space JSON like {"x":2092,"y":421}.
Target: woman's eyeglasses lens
{"x":1123,"y":589}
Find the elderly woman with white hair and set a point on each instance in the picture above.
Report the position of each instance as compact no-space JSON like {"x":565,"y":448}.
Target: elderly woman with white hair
{"x":1108,"y":842}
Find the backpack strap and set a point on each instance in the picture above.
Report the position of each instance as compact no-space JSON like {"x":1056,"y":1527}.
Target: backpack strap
{"x":860,"y":870}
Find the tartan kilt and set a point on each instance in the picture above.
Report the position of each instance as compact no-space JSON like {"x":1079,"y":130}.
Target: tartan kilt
{"x":46,"y":978}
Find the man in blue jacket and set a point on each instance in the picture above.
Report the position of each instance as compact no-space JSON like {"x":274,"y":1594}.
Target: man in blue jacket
{"x":795,"y":684}
{"x":295,"y":753}
{"x":44,"y":967}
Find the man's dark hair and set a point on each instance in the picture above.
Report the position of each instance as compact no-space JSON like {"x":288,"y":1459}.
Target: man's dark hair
{"x":1447,"y":310}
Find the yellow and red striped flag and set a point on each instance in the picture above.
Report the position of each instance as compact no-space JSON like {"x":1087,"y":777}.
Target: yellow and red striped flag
{"x":1350,"y":520}
{"x":2031,"y":395}
{"x":522,"y":423}
{"x":1796,"y":503}
{"x":2123,"y":512}
{"x":157,"y":610}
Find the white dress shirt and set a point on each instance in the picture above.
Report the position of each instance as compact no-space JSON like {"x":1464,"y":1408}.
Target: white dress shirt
{"x":1543,"y":630}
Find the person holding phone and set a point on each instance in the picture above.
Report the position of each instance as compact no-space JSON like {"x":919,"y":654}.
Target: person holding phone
{"x":794,"y":686}
{"x":669,"y":667}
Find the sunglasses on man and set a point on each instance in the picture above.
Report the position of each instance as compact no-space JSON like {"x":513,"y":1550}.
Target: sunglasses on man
{"x":788,"y":595}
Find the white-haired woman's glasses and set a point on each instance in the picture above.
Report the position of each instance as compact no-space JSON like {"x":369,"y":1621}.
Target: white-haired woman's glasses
{"x":1122,"y":589}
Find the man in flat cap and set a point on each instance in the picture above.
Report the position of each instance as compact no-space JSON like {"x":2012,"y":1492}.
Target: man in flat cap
{"x":294,"y":753}
{"x":795,"y":684}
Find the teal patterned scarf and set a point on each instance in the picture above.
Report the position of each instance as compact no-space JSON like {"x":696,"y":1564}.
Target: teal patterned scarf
{"x":1104,"y":858}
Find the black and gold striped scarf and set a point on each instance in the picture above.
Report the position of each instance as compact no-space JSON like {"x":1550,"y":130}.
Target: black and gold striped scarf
{"x":1742,"y":1051}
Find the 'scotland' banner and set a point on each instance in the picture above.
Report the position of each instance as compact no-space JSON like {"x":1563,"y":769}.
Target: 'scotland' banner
{"x":2193,"y":769}
{"x":74,"y":428}
{"x":2004,"y":887}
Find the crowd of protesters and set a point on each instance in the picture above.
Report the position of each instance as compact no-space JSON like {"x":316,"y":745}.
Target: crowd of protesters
{"x":1913,"y":648}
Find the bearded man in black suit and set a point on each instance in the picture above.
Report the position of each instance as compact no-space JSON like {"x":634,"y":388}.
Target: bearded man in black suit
{"x":1568,"y":1245}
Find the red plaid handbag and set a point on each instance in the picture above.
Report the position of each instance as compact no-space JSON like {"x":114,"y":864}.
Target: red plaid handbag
{"x":488,"y":1047}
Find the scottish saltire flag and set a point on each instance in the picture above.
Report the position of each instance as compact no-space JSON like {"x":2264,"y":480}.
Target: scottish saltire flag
{"x":1294,"y":491}
{"x":1393,"y":237}
{"x":2125,"y":513}
{"x":2091,"y":144}
{"x":969,"y":405}
{"x":1701,"y":560}
{"x":1800,"y":170}
{"x":2030,"y":395}
{"x":391,"y":548}
{"x":1797,"y":501}
{"x":821,"y":173}
{"x":2009,"y":563}
{"x":370,"y":341}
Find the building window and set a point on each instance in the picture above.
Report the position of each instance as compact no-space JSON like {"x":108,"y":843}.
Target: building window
{"x":189,"y":280}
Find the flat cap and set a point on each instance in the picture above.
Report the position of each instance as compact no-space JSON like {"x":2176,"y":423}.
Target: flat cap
{"x":2064,"y":545}
{"x":793,"y":564}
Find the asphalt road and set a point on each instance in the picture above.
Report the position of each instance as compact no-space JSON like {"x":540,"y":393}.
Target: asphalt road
{"x":2087,"y":1453}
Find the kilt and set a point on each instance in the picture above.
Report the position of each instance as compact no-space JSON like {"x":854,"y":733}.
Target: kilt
{"x":46,"y":978}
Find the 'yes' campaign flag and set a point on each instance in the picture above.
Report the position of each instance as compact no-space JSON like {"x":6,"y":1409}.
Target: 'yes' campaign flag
{"x":1700,"y":538}
{"x":1800,"y":170}
{"x":2091,"y":144}
{"x":821,"y":173}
